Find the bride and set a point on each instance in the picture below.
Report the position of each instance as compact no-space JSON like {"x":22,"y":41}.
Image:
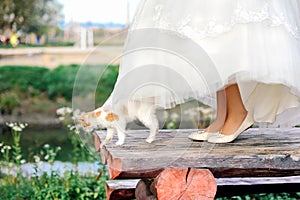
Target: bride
{"x":251,"y":46}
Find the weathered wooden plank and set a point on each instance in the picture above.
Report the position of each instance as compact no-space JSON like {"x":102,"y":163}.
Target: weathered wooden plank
{"x":257,"y":152}
{"x":255,"y":185}
{"x":225,"y":186}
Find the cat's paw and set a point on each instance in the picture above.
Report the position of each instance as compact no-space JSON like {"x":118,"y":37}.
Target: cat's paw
{"x":149,"y":140}
{"x":119,"y":143}
{"x":107,"y":140}
{"x":102,"y":145}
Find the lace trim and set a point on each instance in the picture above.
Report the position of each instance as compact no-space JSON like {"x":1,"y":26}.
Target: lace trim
{"x":213,"y":28}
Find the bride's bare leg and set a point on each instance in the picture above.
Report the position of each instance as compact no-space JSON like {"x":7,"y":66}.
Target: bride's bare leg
{"x":221,"y":113}
{"x":236,"y":111}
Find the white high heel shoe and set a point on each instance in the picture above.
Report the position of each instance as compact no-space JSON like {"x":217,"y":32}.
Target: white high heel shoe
{"x":220,"y":138}
{"x":201,"y":135}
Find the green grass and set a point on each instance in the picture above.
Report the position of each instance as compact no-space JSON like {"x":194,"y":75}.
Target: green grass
{"x":69,"y":187}
{"x":27,"y":89}
{"x":52,"y":44}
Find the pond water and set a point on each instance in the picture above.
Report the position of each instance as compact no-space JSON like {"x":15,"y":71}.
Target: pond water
{"x":60,"y":168}
{"x":33,"y":139}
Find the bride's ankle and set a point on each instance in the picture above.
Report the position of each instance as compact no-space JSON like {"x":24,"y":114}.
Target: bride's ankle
{"x":215,"y":126}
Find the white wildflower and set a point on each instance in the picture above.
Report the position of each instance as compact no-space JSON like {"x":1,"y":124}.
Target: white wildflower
{"x":46,"y":157}
{"x":63,"y":111}
{"x":77,"y":112}
{"x":17,"y":128}
{"x":37,"y":159}
{"x":22,"y":161}
{"x":68,"y":110}
{"x":60,"y":111}
{"x":61,"y":118}
{"x":10,"y":124}
{"x":71,"y":128}
{"x":77,"y":131}
{"x":18,"y":157}
{"x":58,"y":148}
{"x":1,"y":144}
{"x":7,"y":147}
{"x":2,"y":150}
{"x":46,"y":146}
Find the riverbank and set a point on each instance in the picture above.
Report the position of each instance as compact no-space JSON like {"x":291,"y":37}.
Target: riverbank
{"x":51,"y":57}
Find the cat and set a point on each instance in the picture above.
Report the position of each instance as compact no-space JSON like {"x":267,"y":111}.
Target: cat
{"x":116,"y":118}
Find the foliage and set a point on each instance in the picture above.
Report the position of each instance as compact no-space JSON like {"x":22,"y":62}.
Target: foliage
{"x":21,"y":78}
{"x":46,"y":186}
{"x":61,"y":80}
{"x":8,"y":102}
{"x":48,"y":44}
{"x":21,"y":82}
{"x":30,"y":16}
{"x":70,"y":186}
{"x":66,"y":116}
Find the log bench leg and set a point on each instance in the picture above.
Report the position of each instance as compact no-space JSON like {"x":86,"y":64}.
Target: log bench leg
{"x":175,"y":184}
{"x":120,"y":189}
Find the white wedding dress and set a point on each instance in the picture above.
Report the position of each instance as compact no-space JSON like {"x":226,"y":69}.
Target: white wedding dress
{"x":177,"y":50}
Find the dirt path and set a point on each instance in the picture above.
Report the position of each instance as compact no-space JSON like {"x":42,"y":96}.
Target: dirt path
{"x":52,"y":57}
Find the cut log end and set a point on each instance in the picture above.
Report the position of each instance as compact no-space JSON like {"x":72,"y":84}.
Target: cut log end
{"x":142,"y":190}
{"x":179,"y":184}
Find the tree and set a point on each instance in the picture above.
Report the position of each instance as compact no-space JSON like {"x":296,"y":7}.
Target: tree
{"x":30,"y":16}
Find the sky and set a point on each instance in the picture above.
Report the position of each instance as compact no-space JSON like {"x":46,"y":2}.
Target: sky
{"x":101,"y":11}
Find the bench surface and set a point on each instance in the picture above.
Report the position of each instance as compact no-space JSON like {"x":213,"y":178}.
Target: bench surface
{"x":255,"y":153}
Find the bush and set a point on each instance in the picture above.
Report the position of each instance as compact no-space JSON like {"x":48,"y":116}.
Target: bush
{"x":8,"y":102}
{"x":32,"y":81}
{"x":61,"y":80}
{"x":21,"y":78}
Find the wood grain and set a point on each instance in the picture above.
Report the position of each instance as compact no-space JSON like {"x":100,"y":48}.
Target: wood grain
{"x":256,"y":152}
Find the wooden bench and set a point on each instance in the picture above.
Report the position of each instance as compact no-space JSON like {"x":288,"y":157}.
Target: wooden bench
{"x":269,"y":157}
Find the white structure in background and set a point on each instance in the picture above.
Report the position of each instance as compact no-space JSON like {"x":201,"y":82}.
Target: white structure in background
{"x":90,"y":38}
{"x":83,"y":43}
{"x":86,"y":38}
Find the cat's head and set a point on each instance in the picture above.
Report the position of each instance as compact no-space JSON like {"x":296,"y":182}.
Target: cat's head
{"x":88,"y":120}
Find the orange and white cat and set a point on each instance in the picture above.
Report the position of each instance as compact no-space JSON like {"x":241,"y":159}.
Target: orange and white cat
{"x":116,"y":118}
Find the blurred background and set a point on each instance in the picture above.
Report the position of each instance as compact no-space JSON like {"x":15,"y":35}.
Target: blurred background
{"x":42,"y":45}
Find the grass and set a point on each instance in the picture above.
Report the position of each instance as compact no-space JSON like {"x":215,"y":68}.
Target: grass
{"x":54,"y":44}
